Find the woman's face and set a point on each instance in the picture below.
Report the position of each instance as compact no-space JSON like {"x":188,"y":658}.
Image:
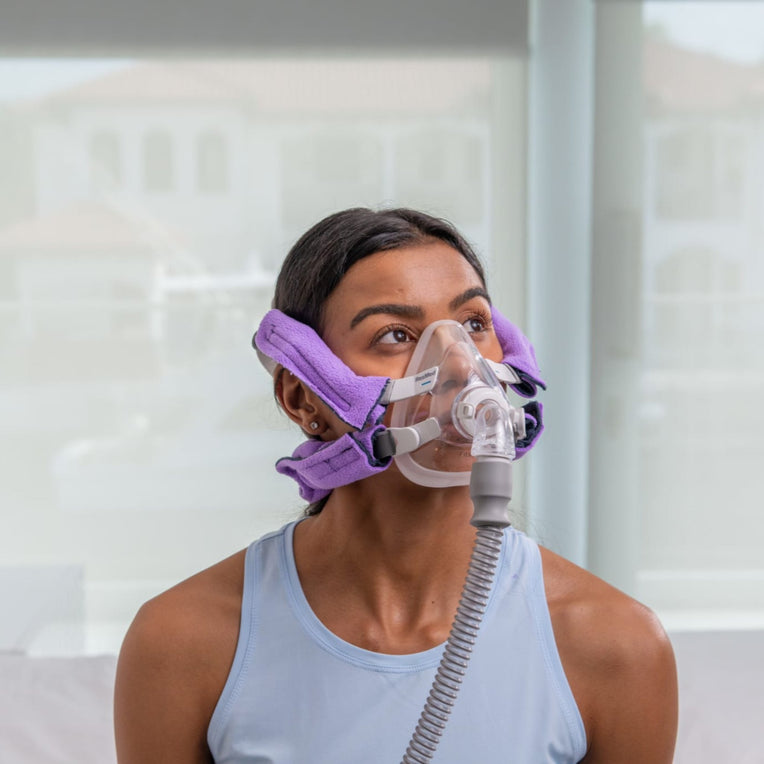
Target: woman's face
{"x":375,"y":316}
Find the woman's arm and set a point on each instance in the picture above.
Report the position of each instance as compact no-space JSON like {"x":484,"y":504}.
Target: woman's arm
{"x":619,"y":663}
{"x":172,"y":668}
{"x":158,"y":716}
{"x":634,"y":686}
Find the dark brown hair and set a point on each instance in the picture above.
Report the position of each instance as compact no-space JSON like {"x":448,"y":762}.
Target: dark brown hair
{"x":323,"y":255}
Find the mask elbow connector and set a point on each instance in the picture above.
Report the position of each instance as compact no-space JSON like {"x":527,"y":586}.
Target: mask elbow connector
{"x":491,"y":480}
{"x":492,"y":429}
{"x":491,"y":490}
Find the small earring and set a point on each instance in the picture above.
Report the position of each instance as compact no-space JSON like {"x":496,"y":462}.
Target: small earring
{"x":313,"y":425}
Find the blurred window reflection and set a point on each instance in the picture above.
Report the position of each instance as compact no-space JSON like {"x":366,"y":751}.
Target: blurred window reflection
{"x":212,"y":163}
{"x":701,"y":528}
{"x":343,"y":168}
{"x":443,"y":164}
{"x":158,"y":161}
{"x":106,"y":160}
{"x":137,"y":254}
{"x":701,"y":174}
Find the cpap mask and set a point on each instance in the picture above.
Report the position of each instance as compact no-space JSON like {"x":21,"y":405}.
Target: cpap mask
{"x":465,"y":411}
{"x":449,"y":395}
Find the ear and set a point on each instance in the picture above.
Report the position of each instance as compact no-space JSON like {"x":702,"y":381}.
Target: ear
{"x":300,"y":404}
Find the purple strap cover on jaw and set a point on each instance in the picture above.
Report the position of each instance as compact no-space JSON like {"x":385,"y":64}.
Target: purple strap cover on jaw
{"x":534,"y":426}
{"x":519,"y":354}
{"x":299,"y":349}
{"x":320,"y":466}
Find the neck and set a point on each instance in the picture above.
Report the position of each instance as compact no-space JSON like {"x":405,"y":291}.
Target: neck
{"x":401,"y":524}
{"x":384,"y":563}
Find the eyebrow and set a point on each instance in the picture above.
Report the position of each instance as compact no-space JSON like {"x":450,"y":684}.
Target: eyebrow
{"x":390,"y":309}
{"x":457,"y":302}
{"x":414,"y":311}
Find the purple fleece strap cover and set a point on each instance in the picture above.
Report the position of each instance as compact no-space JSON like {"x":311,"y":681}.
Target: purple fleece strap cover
{"x":299,"y":349}
{"x":534,"y":426}
{"x":320,"y":466}
{"x":519,"y":354}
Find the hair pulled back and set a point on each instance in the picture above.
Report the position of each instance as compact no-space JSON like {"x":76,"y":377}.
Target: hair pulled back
{"x":323,"y":255}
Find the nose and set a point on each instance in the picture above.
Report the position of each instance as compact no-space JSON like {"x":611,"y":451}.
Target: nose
{"x":455,"y":371}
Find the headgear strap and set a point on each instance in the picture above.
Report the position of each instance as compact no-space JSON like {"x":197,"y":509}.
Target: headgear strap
{"x":320,"y":466}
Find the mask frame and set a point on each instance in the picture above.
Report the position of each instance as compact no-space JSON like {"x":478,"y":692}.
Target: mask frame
{"x":459,"y":381}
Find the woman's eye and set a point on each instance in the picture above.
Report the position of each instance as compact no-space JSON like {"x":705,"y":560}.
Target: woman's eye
{"x":474,"y":325}
{"x":394,"y":336}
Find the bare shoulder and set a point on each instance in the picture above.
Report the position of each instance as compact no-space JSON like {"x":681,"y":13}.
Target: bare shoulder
{"x":196,"y":609}
{"x":619,"y":663}
{"x":173,"y":665}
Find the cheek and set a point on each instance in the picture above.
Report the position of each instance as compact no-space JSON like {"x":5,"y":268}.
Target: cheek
{"x":392,"y":365}
{"x":490,"y":348}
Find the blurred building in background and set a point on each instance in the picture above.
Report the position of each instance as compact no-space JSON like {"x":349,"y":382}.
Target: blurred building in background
{"x":148,"y":212}
{"x":703,"y":339}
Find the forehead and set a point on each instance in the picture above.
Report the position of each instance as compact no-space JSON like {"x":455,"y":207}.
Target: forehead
{"x":418,"y":275}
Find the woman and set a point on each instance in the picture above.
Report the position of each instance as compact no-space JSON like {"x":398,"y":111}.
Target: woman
{"x":319,"y":644}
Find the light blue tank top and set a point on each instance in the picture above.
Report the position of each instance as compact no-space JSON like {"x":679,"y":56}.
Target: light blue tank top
{"x":297,"y":694}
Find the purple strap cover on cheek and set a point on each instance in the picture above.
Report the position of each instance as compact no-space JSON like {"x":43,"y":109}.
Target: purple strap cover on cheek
{"x":299,"y":349}
{"x":519,"y":354}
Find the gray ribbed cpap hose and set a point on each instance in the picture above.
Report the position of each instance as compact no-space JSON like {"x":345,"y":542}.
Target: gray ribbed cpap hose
{"x":453,"y":664}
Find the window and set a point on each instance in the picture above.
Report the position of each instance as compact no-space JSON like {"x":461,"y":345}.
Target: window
{"x":685,"y":164}
{"x":701,"y":173}
{"x":326,"y":170}
{"x":676,"y":422}
{"x":211,"y":163}
{"x":443,"y":166}
{"x":158,"y":162}
{"x":105,"y":161}
{"x":131,"y":310}
{"x":694,"y":311}
{"x":159,"y":314}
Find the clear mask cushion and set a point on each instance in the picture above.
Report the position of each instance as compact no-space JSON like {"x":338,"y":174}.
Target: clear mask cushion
{"x":319,"y":466}
{"x":466,"y":405}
